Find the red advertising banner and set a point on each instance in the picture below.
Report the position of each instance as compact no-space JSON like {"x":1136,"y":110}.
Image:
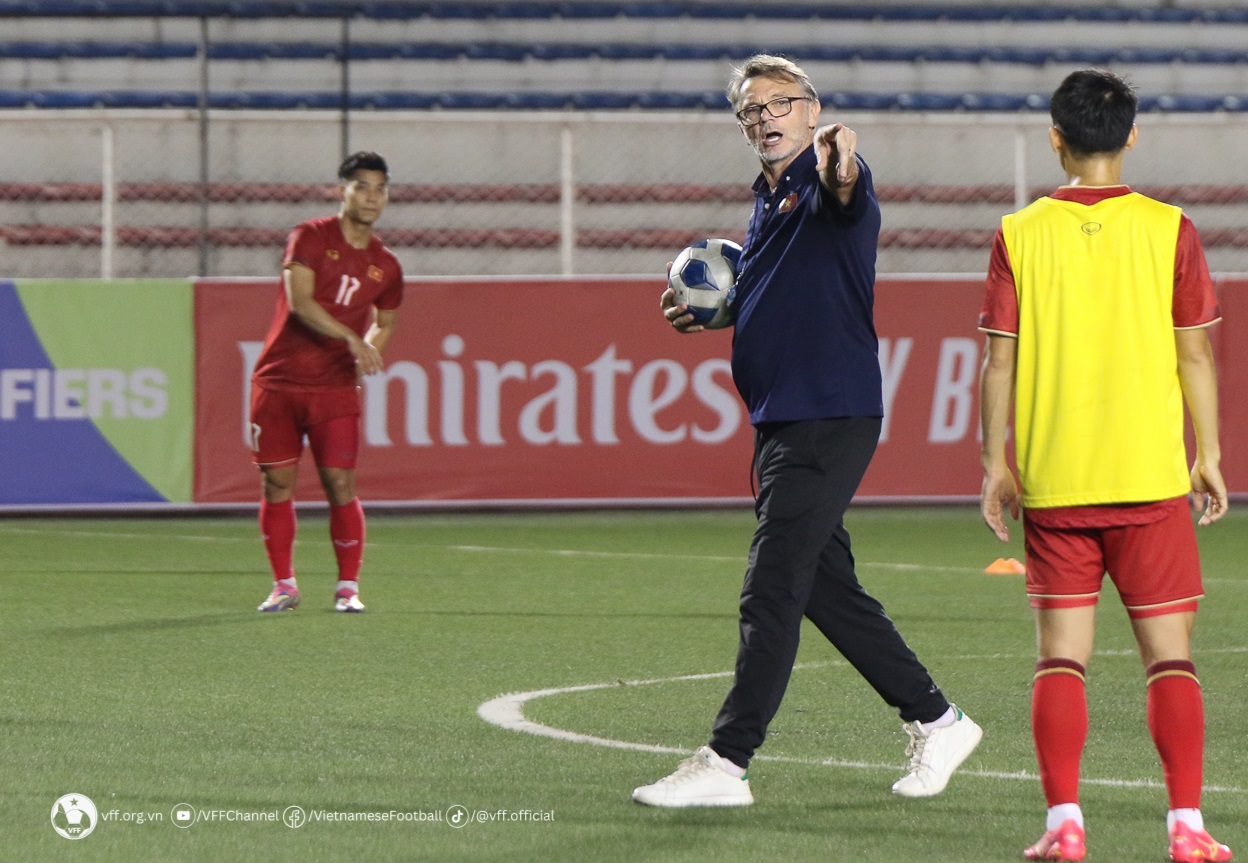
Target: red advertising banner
{"x":1231,"y":353}
{"x":930,"y":354}
{"x":573,"y":391}
{"x":500,"y":391}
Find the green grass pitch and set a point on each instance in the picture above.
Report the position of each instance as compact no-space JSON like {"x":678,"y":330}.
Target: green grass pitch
{"x":137,"y":672}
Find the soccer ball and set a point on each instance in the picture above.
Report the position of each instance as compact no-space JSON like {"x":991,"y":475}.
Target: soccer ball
{"x":704,"y":277}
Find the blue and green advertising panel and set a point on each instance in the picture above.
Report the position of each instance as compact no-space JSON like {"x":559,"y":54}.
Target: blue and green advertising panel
{"x":96,"y":392}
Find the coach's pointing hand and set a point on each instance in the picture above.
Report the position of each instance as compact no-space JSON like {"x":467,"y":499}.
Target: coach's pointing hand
{"x":835,"y":149}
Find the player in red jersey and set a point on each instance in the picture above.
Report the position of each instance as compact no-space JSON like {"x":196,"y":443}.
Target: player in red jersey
{"x":336,"y":312}
{"x":1097,"y":308}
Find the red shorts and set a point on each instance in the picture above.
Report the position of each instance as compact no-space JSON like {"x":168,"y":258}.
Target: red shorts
{"x":1155,"y":566}
{"x":280,"y":419}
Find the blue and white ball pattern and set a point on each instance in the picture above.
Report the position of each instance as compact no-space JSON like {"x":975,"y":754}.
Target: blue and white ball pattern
{"x":704,"y":277}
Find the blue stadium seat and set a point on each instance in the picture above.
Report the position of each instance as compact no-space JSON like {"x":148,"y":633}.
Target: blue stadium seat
{"x":539,"y":101}
{"x":589,"y":9}
{"x":579,"y":100}
{"x":668,"y":101}
{"x":272,"y":51}
{"x":571,"y":51}
{"x":44,"y":50}
{"x":428,"y":51}
{"x":495,"y":51}
{"x":602,"y":101}
{"x":1191,"y":103}
{"x":472,"y":101}
{"x":401,"y":101}
{"x":674,"y":90}
{"x":148,"y":99}
{"x":64,"y":99}
{"x":562,"y":51}
{"x":19,"y":99}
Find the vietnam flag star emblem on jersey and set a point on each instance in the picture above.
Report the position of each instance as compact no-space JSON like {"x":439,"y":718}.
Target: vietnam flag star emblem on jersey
{"x":789,"y":202}
{"x":375,"y":273}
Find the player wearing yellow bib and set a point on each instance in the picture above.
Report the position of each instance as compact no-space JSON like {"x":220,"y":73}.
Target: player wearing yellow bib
{"x":1096,"y":306}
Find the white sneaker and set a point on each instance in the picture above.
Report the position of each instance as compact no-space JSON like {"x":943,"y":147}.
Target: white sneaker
{"x":935,"y":754}
{"x":700,"y":780}
{"x":345,"y":600}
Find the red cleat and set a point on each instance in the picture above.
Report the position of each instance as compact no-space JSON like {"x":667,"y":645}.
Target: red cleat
{"x":1195,"y":846}
{"x":1064,"y":843}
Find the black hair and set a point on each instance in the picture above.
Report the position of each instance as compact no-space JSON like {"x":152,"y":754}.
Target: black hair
{"x":362,"y":161}
{"x":1094,"y":109}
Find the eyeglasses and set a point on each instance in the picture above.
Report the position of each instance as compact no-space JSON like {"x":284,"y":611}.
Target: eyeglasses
{"x":753,"y":115}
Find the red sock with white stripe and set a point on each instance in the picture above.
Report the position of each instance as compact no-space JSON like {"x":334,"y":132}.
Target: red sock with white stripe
{"x":1059,"y":724}
{"x":346,"y":529}
{"x":277,"y":528}
{"x":1176,"y":719}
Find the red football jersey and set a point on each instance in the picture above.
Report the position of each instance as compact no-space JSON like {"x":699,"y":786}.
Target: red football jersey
{"x":350,"y":283}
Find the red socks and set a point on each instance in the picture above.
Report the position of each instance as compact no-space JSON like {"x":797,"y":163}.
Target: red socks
{"x":277,"y":529}
{"x":1059,"y":724}
{"x":346,"y":529}
{"x":1176,"y":719}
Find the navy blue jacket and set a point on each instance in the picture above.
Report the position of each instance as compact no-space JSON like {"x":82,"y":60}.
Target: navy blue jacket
{"x":805,"y":345}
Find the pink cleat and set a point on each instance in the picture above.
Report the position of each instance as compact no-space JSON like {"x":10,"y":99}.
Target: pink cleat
{"x":1195,"y":846}
{"x":281,"y":599}
{"x":1064,"y":843}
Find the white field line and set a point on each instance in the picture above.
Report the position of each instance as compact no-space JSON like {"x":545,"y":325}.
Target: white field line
{"x":109,"y":534}
{"x":620,"y":555}
{"x":478,"y":549}
{"x":553,"y":552}
{"x":738,"y":558}
{"x":712,"y":558}
{"x":507,"y":712}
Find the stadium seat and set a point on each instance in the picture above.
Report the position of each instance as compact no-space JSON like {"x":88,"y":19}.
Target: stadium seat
{"x":581,"y":55}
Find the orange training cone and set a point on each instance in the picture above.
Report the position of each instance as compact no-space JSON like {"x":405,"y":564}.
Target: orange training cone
{"x":1004,"y":566}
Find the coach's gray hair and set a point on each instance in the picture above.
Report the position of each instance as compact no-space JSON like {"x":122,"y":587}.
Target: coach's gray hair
{"x":768,"y":66}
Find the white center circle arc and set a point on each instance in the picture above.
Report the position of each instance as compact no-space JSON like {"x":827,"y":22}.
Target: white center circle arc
{"x":507,"y":711}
